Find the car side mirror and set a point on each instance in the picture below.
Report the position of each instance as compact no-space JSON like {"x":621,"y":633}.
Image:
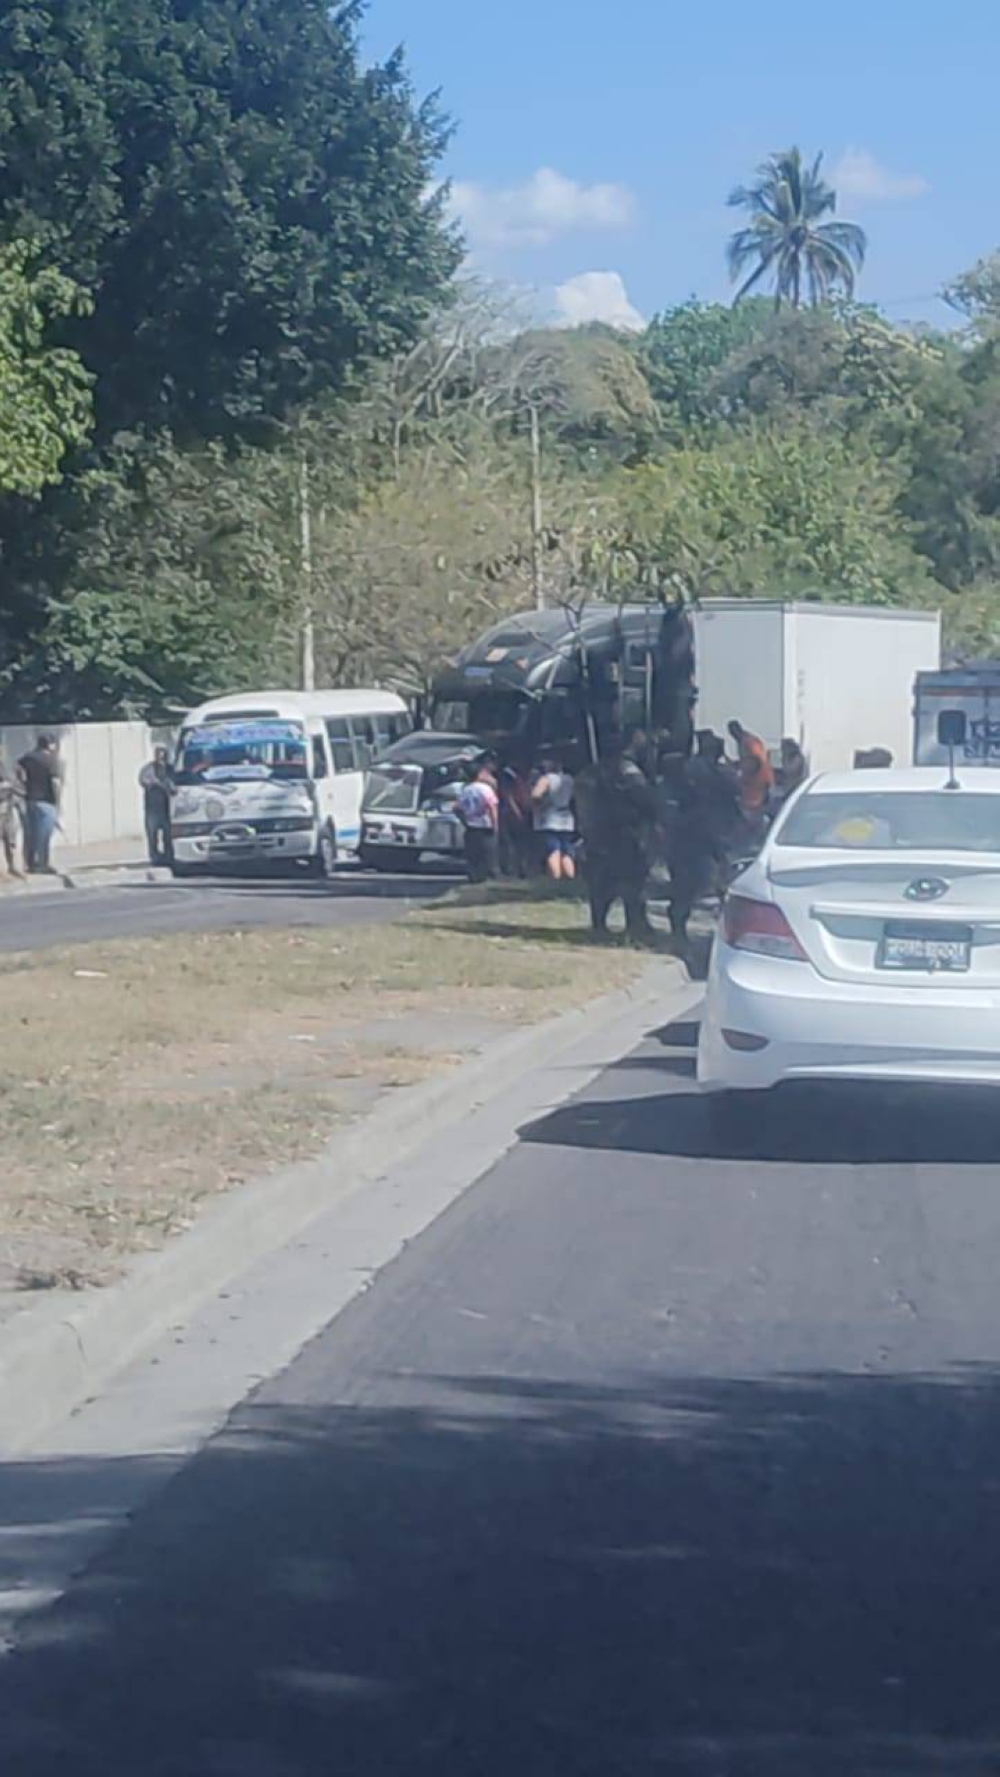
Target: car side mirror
{"x":952,"y":728}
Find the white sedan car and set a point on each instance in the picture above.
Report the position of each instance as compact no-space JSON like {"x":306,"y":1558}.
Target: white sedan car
{"x":863,"y":943}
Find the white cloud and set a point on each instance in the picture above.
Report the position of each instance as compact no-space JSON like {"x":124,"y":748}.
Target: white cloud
{"x":860,"y":176}
{"x":545,"y":206}
{"x":596,"y":296}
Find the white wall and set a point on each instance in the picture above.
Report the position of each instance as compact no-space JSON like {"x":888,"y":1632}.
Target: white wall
{"x":849,"y":679}
{"x":101,"y":762}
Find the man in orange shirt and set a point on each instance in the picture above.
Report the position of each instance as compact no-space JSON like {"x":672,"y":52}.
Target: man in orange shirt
{"x":756,"y":773}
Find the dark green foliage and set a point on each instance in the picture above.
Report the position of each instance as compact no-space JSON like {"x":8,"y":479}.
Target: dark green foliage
{"x":245,"y":202}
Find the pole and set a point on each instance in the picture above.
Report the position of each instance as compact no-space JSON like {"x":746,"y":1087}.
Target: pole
{"x":306,"y":558}
{"x":536,"y":511}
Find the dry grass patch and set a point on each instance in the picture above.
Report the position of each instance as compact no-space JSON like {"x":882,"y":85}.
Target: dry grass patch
{"x":138,"y":1078}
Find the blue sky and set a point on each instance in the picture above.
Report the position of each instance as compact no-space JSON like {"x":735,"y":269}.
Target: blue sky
{"x":649,"y":111}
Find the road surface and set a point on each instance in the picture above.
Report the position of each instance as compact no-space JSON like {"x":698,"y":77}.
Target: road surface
{"x":70,"y":916}
{"x":643,"y":1459}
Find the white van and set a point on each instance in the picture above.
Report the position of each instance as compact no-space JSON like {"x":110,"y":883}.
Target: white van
{"x":270,"y":777}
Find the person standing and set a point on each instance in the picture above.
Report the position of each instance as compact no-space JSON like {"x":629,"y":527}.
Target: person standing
{"x":8,"y":821}
{"x":707,"y":816}
{"x":478,"y":809}
{"x":516,"y":832}
{"x":554,"y":821}
{"x":618,"y":813}
{"x":40,"y":781}
{"x":756,"y":775}
{"x":157,"y":781}
{"x":792,"y":772}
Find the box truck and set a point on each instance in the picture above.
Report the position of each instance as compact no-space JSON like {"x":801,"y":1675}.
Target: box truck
{"x":839,"y":679}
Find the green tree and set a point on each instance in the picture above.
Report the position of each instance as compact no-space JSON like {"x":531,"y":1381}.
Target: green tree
{"x":246,"y":201}
{"x":45,"y":393}
{"x":683,"y":352}
{"x":786,"y":239}
{"x":177,"y":582}
{"x":796,"y":512}
{"x":976,"y":294}
{"x":587,"y":384}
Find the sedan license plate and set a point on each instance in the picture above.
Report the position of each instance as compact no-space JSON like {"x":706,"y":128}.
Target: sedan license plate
{"x":926,"y":949}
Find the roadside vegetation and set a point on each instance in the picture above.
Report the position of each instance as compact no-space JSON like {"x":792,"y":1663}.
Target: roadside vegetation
{"x":231,"y":289}
{"x":139,"y":1080}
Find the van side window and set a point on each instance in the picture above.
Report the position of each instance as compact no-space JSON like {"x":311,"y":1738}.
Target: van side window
{"x":341,"y":744}
{"x":365,"y":743}
{"x":319,"y":765}
{"x":400,"y":724}
{"x":386,"y":731}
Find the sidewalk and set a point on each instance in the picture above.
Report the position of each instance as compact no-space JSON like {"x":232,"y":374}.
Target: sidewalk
{"x":102,"y":864}
{"x":60,"y":1346}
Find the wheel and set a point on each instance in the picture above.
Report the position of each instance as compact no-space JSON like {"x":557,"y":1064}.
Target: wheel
{"x":324,"y":864}
{"x":180,"y":871}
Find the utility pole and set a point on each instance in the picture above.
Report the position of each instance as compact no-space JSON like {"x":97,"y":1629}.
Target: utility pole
{"x":536,"y":510}
{"x":306,"y":563}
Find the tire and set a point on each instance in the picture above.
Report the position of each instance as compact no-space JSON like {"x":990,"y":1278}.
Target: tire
{"x":324,"y":864}
{"x":396,"y":859}
{"x":180,"y":872}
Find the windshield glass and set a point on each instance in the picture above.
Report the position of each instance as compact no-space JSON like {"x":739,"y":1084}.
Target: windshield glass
{"x":228,"y":752}
{"x":920,"y":821}
{"x":393,"y":789}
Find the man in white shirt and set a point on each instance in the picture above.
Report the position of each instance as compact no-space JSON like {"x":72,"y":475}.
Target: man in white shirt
{"x":478,"y":809}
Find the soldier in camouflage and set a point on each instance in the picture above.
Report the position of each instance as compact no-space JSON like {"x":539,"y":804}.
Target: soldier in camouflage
{"x":617,"y":813}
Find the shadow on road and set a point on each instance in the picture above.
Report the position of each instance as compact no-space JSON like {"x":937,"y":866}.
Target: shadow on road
{"x":692,"y":1578}
{"x":819,"y":1125}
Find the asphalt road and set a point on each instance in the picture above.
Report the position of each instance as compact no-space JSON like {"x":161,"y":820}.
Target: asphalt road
{"x":70,"y":916}
{"x":643,"y":1459}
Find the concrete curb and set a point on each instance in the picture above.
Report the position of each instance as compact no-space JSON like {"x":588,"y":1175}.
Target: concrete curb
{"x":57,"y":1354}
{"x":82,"y":876}
{"x":114,"y":875}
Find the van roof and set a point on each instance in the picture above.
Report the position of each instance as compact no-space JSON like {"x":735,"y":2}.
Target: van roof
{"x":286,"y":705}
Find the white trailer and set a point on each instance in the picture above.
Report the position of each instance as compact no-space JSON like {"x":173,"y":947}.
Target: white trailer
{"x":836,"y":678}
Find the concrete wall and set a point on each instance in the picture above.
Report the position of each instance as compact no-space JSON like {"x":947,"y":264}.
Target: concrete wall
{"x":100,"y":762}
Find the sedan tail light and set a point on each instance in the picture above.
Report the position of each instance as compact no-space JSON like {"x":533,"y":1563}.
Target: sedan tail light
{"x":761,"y":927}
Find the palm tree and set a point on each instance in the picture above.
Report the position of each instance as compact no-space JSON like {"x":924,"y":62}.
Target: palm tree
{"x":787,"y":241}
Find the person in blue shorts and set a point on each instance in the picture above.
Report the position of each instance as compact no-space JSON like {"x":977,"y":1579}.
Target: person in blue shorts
{"x":554,"y":820}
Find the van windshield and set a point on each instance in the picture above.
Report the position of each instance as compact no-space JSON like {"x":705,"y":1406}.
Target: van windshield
{"x":230,"y":752}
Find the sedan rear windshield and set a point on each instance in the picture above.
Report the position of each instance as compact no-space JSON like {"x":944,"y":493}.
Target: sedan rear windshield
{"x":920,"y":821}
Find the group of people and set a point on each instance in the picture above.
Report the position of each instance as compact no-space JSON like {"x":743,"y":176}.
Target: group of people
{"x":717,"y":809}
{"x":517,"y":821}
{"x":639,"y":805}
{"x":29,"y":808}
{"x":29,"y":800}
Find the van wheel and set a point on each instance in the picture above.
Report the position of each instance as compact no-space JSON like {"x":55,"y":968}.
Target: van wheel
{"x":324,"y":864}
